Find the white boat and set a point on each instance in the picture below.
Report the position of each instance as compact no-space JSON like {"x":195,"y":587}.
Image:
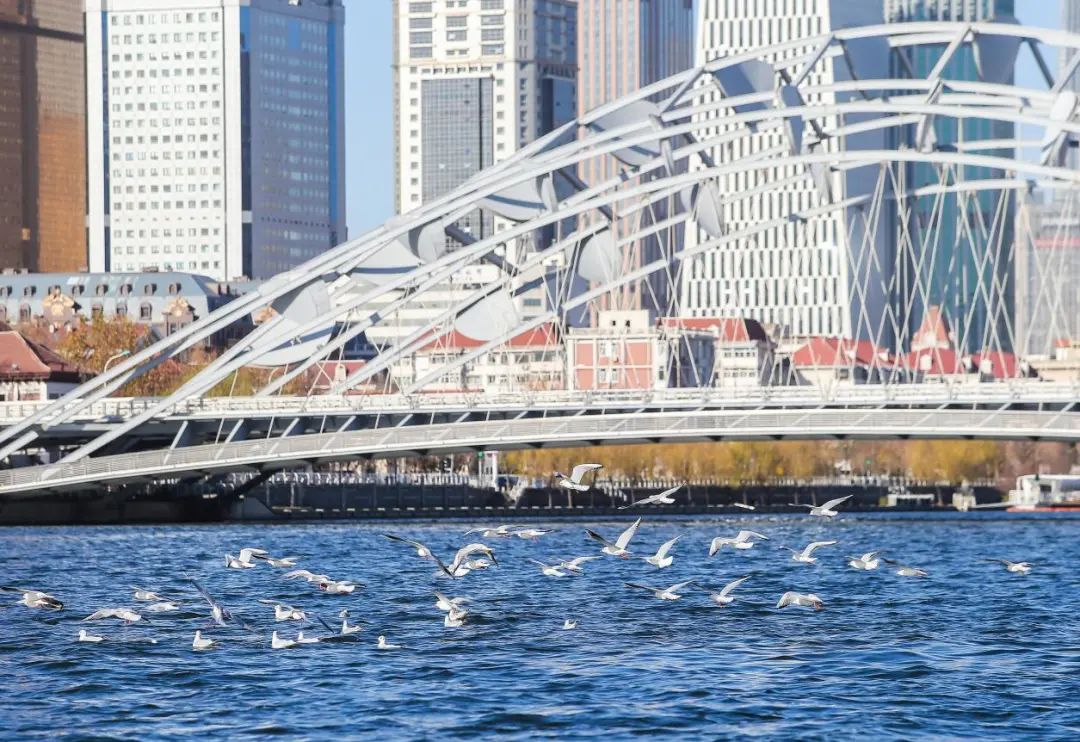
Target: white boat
{"x":1045,"y":493}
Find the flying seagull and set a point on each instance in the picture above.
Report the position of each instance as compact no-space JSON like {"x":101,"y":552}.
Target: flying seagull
{"x":619,"y":547}
{"x":805,"y":600}
{"x":828,"y":509}
{"x":661,"y":498}
{"x":35,"y":598}
{"x":663,"y":593}
{"x":246,"y":558}
{"x":124,"y":614}
{"x":744,"y":540}
{"x":660,"y":559}
{"x":804,"y":556}
{"x":867,"y":561}
{"x":548,"y":570}
{"x":1019,"y":568}
{"x":574,"y":565}
{"x":218,"y":613}
{"x":421,"y":551}
{"x":905,"y":571}
{"x":723,"y":597}
{"x":573,"y":482}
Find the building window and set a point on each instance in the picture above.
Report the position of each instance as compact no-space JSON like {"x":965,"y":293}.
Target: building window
{"x":146,"y":311}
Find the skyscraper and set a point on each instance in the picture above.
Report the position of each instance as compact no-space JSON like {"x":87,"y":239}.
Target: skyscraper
{"x":474,"y":80}
{"x":971,"y":278}
{"x":625,"y":45}
{"x":216,"y":134}
{"x":42,"y":136}
{"x":797,"y":277}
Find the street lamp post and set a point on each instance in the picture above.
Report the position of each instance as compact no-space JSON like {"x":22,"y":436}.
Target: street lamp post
{"x":113,"y":357}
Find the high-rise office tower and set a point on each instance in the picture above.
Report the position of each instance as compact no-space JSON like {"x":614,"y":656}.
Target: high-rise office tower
{"x":795,"y":278}
{"x":972,"y":277}
{"x":624,"y":45}
{"x":474,"y":80}
{"x":216,"y":136}
{"x":1070,"y":21}
{"x":42,"y":136}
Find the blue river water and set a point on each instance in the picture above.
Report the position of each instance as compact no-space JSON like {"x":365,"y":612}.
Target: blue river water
{"x":971,"y":651}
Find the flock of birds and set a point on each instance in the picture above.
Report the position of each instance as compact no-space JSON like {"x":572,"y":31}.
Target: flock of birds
{"x":473,"y":557}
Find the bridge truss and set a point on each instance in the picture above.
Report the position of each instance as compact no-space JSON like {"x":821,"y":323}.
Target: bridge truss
{"x":874,"y":220}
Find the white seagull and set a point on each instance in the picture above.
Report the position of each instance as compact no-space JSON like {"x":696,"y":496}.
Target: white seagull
{"x":165,"y":606}
{"x":280,"y":563}
{"x":723,"y":597}
{"x":568,"y":624}
{"x":661,"y":498}
{"x":462,"y":557}
{"x":443,"y":603}
{"x":346,"y":629}
{"x":804,"y":556}
{"x":531,"y":534}
{"x":660,"y":559}
{"x":743,"y":505}
{"x":201,"y":642}
{"x":867,"y":561}
{"x":574,"y":565}
{"x":828,"y":509}
{"x":284,"y":612}
{"x":573,"y":482}
{"x":304,"y":574}
{"x":619,"y":547}
{"x":548,"y":570}
{"x":664,"y":593}
{"x":905,"y":571}
{"x":218,"y":613}
{"x":301,"y":639}
{"x":807,"y":600}
{"x":743,"y":540}
{"x":421,"y":551}
{"x":337,"y":587}
{"x":246,"y":558}
{"x":498,"y":532}
{"x":455,"y":618}
{"x":277,"y":642}
{"x":124,"y":614}
{"x":35,"y":598}
{"x":84,"y":637}
{"x":1019,"y":568}
{"x":147,"y":595}
{"x":383,"y":644}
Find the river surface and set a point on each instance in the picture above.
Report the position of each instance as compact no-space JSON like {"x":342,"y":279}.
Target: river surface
{"x":971,"y":651}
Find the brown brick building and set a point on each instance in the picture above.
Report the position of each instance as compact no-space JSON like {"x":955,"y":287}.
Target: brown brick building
{"x":42,"y":136}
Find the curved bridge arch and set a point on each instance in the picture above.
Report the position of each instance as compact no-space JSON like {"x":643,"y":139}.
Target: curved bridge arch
{"x":854,"y":158}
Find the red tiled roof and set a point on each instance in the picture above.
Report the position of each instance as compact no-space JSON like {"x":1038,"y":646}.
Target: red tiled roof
{"x":831,"y":352}
{"x":1000,"y":365}
{"x":24,"y":360}
{"x":729,"y":329}
{"x":933,"y":332}
{"x":539,"y":337}
{"x":937,"y":361}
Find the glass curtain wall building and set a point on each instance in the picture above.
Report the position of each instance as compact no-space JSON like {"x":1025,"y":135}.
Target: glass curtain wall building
{"x":42,"y":136}
{"x":216,"y":134}
{"x":969,"y":270}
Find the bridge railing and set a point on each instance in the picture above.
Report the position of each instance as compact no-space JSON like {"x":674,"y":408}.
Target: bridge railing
{"x":1013,"y":391}
{"x":281,"y":452}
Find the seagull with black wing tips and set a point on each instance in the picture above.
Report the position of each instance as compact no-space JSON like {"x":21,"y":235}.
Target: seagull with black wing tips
{"x":447,"y":604}
{"x":34,"y":598}
{"x":619,"y":547}
{"x":460,"y":566}
{"x":421,"y":551}
{"x":284,"y":612}
{"x":662,"y":593}
{"x":723,"y":598}
{"x":661,"y":559}
{"x":531,"y":534}
{"x":219,"y":614}
{"x":806,"y":555}
{"x":828,"y":510}
{"x":573,"y":482}
{"x":304,"y":574}
{"x":246,"y":559}
{"x":661,"y":498}
{"x":497,"y":532}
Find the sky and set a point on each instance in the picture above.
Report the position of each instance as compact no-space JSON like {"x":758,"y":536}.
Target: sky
{"x":369,"y":112}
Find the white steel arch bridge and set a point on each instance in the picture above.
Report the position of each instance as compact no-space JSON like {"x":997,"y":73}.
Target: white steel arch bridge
{"x":812,"y":187}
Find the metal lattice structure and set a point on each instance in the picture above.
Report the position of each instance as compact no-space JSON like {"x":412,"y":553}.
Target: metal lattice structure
{"x":480,"y":336}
